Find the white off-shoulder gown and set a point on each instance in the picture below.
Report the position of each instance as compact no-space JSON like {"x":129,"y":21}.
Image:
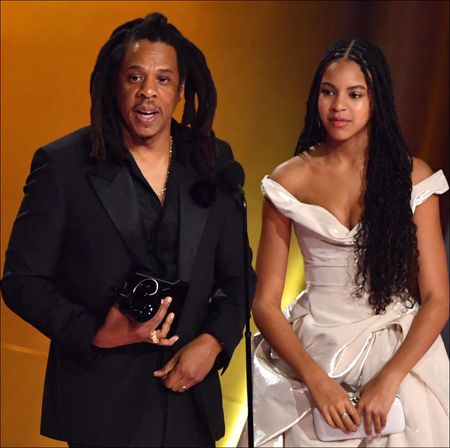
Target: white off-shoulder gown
{"x":346,"y":338}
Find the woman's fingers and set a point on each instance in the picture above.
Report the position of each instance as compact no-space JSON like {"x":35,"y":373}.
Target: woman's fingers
{"x":348,"y":418}
{"x":338,"y":418}
{"x":342,"y":414}
{"x":377,"y":424}
{"x":374,"y":421}
{"x":353,"y":418}
{"x":328,"y":419}
{"x":368,"y":424}
{"x":383,"y":422}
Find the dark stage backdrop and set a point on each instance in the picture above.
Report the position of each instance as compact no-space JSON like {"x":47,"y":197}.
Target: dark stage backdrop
{"x":262,"y":55}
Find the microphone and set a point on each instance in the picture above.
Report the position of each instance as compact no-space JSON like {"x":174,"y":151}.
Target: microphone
{"x":231,"y":176}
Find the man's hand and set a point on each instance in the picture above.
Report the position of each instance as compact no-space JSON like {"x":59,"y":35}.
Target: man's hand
{"x":190,"y":364}
{"x":120,"y":329}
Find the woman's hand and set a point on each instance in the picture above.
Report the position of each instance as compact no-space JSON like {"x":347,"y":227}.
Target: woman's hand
{"x":334,"y":403}
{"x":375,"y":401}
{"x":120,"y":329}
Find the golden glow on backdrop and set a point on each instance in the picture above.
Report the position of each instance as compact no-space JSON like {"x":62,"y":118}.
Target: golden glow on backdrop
{"x":262,"y":55}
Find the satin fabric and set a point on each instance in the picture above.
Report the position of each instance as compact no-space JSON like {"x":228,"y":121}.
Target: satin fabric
{"x":342,"y":333}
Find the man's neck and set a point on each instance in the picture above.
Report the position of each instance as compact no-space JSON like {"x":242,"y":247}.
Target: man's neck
{"x":150,"y":148}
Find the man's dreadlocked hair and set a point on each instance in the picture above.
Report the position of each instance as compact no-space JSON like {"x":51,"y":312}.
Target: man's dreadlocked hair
{"x":199,"y":87}
{"x":385,"y":243}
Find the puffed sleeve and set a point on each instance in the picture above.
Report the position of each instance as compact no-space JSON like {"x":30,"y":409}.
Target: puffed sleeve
{"x":434,"y":184}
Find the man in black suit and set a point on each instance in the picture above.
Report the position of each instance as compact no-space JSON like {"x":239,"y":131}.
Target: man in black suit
{"x":135,"y":191}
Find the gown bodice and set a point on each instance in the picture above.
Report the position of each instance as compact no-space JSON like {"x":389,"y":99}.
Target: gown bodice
{"x":327,"y":246}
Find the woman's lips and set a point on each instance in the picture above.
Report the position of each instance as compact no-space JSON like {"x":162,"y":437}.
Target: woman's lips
{"x":339,"y":122}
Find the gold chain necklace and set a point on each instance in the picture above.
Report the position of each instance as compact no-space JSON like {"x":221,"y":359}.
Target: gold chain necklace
{"x":163,"y":191}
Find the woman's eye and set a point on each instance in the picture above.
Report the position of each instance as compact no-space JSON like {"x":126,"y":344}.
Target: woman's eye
{"x":355,"y":95}
{"x":327,"y":92}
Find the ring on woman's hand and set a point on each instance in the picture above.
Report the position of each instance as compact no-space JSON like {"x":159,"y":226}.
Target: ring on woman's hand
{"x":184,"y":388}
{"x":344,"y":414}
{"x":154,"y":337}
{"x":354,"y":399}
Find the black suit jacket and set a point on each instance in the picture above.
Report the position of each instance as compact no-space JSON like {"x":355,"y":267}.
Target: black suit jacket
{"x":78,"y":233}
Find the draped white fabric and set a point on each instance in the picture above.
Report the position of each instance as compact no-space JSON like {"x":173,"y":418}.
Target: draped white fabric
{"x":345,"y":337}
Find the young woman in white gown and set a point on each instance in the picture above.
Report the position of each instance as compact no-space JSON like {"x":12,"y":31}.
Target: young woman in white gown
{"x":366,"y":217}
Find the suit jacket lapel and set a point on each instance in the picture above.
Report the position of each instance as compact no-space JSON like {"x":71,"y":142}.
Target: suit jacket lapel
{"x":114,"y":187}
{"x":192,"y":222}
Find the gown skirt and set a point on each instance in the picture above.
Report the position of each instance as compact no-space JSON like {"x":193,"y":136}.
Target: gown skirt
{"x":344,"y":336}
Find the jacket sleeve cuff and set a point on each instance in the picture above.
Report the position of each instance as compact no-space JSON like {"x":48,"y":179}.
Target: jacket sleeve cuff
{"x":77,"y":341}
{"x":224,"y":357}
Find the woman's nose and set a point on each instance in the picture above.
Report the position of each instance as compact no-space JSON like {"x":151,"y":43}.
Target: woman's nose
{"x":338,"y":103}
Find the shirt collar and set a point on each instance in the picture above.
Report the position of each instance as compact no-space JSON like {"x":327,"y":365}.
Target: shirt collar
{"x":182,"y":144}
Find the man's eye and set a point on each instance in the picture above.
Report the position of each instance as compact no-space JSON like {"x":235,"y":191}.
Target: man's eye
{"x":163,"y":79}
{"x":134,"y":78}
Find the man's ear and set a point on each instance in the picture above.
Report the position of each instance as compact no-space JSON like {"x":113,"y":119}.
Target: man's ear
{"x":181,"y":91}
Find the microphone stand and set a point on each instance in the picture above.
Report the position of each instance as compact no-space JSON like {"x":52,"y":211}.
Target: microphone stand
{"x":240,"y":195}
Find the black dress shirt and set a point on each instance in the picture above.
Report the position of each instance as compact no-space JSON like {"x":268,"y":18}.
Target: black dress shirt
{"x":160,"y":221}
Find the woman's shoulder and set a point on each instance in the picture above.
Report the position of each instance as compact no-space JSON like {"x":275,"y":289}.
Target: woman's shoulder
{"x":293,"y":173}
{"x":420,"y":171}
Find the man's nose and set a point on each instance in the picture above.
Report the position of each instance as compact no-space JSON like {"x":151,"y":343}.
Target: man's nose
{"x":148,"y":88}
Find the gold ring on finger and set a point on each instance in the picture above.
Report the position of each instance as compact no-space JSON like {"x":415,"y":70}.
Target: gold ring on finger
{"x":154,"y":338}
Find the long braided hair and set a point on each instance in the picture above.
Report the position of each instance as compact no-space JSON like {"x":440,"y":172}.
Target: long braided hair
{"x":200,"y":92}
{"x":385,"y":242}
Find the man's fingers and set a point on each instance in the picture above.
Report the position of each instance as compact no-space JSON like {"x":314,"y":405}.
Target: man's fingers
{"x":164,"y":371}
{"x":166,"y":325}
{"x":168,"y":367}
{"x":162,"y":311}
{"x":169,"y":342}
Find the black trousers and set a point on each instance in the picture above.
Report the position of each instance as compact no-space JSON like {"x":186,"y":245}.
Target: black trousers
{"x":189,"y":430}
